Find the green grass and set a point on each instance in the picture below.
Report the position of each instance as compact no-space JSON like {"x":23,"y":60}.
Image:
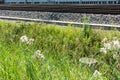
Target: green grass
{"x":62,"y":48}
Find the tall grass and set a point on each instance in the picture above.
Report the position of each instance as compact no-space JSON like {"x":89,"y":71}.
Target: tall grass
{"x":62,"y":48}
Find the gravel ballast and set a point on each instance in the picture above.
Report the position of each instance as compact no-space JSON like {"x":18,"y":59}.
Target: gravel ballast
{"x":72,"y":17}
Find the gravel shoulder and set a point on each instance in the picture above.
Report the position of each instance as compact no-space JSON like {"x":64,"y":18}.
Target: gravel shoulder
{"x":72,"y":17}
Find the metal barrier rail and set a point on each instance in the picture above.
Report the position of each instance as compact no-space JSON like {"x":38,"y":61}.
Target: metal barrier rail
{"x":63,"y":23}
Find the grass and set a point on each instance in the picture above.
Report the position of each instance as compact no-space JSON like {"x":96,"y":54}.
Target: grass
{"x":62,"y":48}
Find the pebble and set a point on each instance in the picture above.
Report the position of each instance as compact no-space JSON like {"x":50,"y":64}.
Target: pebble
{"x":71,"y":17}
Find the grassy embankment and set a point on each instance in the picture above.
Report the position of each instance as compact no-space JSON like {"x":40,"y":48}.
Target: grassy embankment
{"x":62,"y":49}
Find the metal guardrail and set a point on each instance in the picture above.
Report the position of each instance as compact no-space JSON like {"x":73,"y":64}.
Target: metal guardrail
{"x":63,"y":23}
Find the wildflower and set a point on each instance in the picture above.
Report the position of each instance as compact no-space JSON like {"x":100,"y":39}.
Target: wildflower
{"x":108,"y":45}
{"x":104,"y":40}
{"x":103,"y":50}
{"x":116,"y":56}
{"x":38,"y":55}
{"x":116,"y":45}
{"x":96,"y":73}
{"x":24,"y":38}
{"x":38,"y":52}
{"x":88,"y":60}
{"x":30,"y":41}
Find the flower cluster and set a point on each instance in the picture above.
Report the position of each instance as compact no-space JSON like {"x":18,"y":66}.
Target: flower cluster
{"x":38,"y":55}
{"x":110,"y":45}
{"x":26,"y":40}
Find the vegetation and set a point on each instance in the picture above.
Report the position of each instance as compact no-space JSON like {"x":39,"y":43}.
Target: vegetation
{"x":31,"y":51}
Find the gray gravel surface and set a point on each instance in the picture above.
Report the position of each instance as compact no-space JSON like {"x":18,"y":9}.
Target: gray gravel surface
{"x":73,"y":17}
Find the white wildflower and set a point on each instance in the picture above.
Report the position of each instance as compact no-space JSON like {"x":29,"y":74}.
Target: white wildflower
{"x":103,"y":50}
{"x":108,"y":45}
{"x":41,"y":56}
{"x":38,"y":55}
{"x":116,"y":56}
{"x":30,"y":41}
{"x":104,"y":40}
{"x":96,"y":73}
{"x":116,"y":45}
{"x":24,"y":38}
{"x":88,"y":60}
{"x":111,"y":45}
{"x":38,"y":52}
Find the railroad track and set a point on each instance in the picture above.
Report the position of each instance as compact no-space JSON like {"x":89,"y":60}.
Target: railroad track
{"x":62,"y":23}
{"x":95,"y":9}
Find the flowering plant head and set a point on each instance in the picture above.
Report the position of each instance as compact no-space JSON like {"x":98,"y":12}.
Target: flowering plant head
{"x":111,"y":46}
{"x":38,"y":55}
{"x":26,"y":40}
